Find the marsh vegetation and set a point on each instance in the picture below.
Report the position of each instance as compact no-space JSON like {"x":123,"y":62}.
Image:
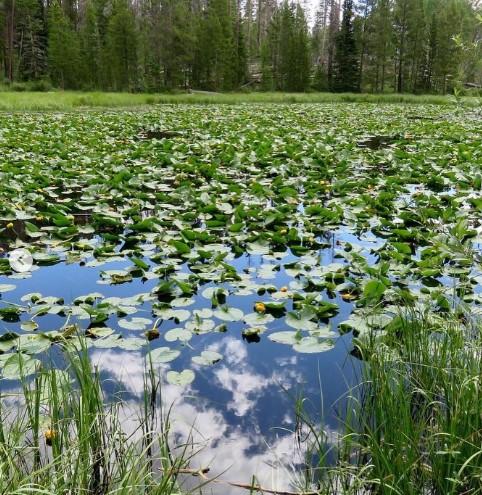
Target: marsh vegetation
{"x":201,"y":274}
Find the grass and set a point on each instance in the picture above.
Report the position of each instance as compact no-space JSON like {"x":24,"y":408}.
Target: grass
{"x":59,"y":433}
{"x":69,"y":100}
{"x":414,"y":424}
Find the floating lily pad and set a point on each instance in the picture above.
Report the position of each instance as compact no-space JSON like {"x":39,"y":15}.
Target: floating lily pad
{"x":301,"y":320}
{"x":20,"y":365}
{"x":6,"y":288}
{"x":207,"y":358}
{"x":135,"y":323}
{"x":29,"y":326}
{"x":286,"y":337}
{"x":181,"y":334}
{"x":163,"y":355}
{"x":182,"y":378}
{"x":228,"y":314}
{"x":311,"y":345}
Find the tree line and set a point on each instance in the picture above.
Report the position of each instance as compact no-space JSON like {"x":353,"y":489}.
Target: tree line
{"x":224,"y":45}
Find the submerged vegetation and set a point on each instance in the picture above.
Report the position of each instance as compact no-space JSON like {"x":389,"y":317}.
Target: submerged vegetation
{"x":182,"y":233}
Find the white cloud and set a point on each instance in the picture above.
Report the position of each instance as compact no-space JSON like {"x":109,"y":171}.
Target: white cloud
{"x":230,"y":451}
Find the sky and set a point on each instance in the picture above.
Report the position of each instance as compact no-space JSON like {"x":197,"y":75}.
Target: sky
{"x":310,"y":6}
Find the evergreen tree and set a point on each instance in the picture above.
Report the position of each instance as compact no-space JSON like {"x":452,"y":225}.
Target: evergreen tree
{"x":286,"y":58}
{"x":177,"y":42}
{"x":301,"y":68}
{"x":219,"y":59}
{"x":63,"y":50}
{"x":319,"y":42}
{"x":121,"y":48}
{"x":91,"y":49}
{"x":150,"y":45}
{"x":380,"y":45}
{"x":153,"y":45}
{"x":347,"y":76}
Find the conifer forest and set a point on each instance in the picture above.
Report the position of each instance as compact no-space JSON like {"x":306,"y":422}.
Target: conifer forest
{"x":404,"y":46}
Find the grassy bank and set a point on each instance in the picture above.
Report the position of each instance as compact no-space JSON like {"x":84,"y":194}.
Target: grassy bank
{"x":62,"y":101}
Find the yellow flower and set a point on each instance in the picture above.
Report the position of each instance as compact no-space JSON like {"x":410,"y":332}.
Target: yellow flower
{"x":260,"y":307}
{"x":49,"y":435}
{"x":10,"y":225}
{"x":348,"y":297}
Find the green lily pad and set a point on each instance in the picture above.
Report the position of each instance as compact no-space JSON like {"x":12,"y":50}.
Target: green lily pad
{"x":7,"y":288}
{"x":207,"y":358}
{"x":163,"y":355}
{"x":285,"y":337}
{"x":135,"y":323}
{"x":311,"y":345}
{"x":182,"y":378}
{"x":181,"y":334}
{"x":228,"y":314}
{"x":301,"y":320}
{"x":29,"y":326}
{"x":20,"y":365}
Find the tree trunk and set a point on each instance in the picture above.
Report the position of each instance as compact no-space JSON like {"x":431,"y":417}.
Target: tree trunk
{"x":10,"y":42}
{"x":401,"y":52}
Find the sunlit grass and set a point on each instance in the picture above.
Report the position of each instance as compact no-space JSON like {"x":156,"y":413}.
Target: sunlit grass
{"x":69,"y":100}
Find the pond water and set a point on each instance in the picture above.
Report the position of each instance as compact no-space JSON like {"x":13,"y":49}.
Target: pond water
{"x":239,"y":411}
{"x":239,"y":248}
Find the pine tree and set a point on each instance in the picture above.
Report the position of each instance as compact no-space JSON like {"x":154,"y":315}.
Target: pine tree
{"x":177,"y":43}
{"x":380,"y":44}
{"x":154,"y":45}
{"x":91,"y":49}
{"x":301,"y":67}
{"x":151,"y":25}
{"x":286,"y":58}
{"x":121,"y":48}
{"x":220,"y":61}
{"x":346,"y":57}
{"x":63,"y":50}
{"x":32,"y":31}
{"x":319,"y":44}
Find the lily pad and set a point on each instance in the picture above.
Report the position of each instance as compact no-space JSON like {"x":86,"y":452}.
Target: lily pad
{"x":228,"y":314}
{"x":135,"y":323}
{"x":163,"y":355}
{"x":20,"y":365}
{"x":207,"y":358}
{"x":311,"y":345}
{"x":182,"y":378}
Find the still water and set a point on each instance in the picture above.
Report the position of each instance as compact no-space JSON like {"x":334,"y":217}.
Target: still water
{"x":238,"y":414}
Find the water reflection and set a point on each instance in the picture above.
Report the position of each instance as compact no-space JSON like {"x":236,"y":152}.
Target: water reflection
{"x":239,"y":413}
{"x":229,"y":445}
